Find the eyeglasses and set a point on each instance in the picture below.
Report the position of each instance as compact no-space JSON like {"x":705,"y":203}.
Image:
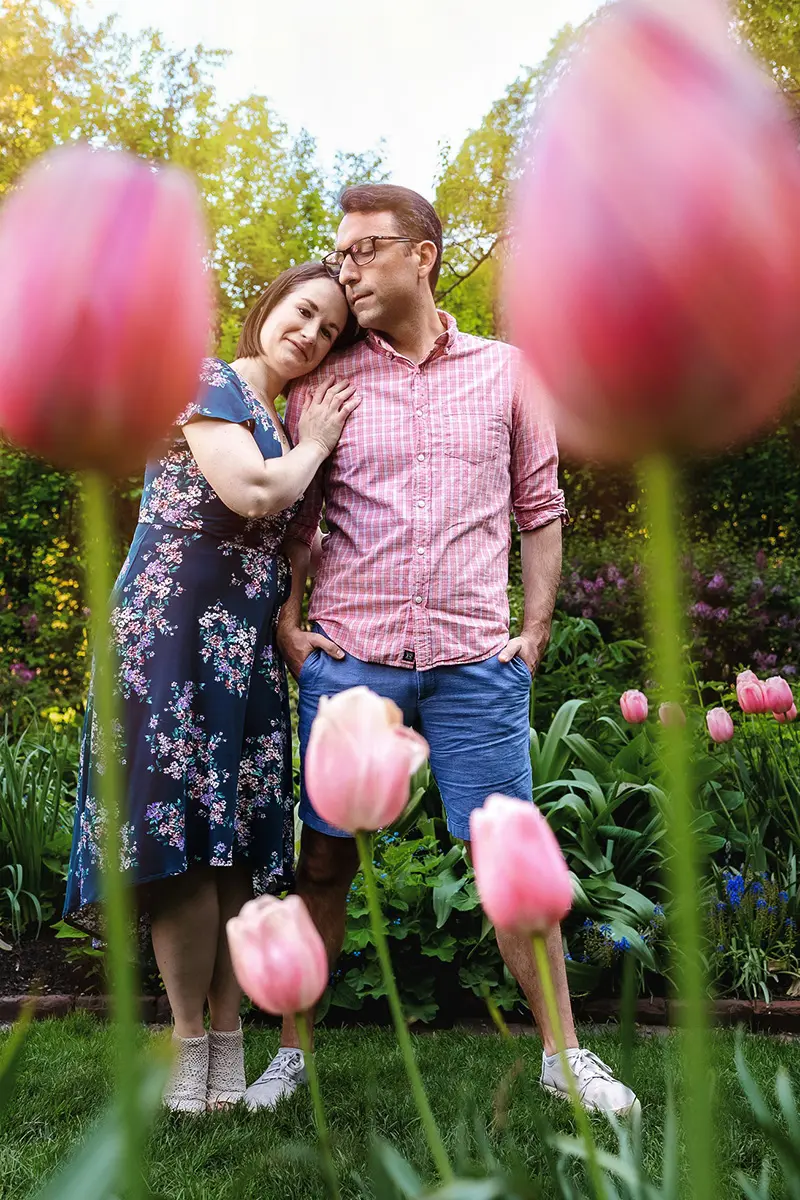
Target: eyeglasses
{"x":361,"y":252}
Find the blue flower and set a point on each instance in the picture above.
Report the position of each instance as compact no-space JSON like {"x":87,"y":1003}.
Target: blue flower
{"x":734,"y":889}
{"x":588,"y":923}
{"x":605,"y":930}
{"x":761,"y":903}
{"x":720,"y":949}
{"x":771,"y":908}
{"x":658,"y":910}
{"x":783,"y":896}
{"x":721,"y":905}
{"x":757,"y":889}
{"x":622,"y":945}
{"x":789,"y":923}
{"x":568,"y":957}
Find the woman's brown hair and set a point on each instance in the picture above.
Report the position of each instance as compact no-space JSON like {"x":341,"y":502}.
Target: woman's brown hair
{"x":287,"y":282}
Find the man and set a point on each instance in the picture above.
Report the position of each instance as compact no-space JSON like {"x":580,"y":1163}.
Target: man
{"x":410,"y":593}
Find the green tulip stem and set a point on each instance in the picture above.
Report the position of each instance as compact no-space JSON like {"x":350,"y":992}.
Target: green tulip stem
{"x":581,"y":1117}
{"x":661,"y":485}
{"x":438,"y":1152}
{"x":329,"y":1170}
{"x":116,"y":898}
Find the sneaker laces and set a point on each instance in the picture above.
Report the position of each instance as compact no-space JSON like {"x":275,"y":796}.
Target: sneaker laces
{"x":586,"y":1067}
{"x":284,"y":1068}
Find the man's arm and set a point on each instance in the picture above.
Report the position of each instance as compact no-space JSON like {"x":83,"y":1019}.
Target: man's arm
{"x":538,"y":505}
{"x":294,"y":642}
{"x":541,"y":574}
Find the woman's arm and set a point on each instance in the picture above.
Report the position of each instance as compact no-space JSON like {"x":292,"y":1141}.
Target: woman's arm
{"x":253,"y":486}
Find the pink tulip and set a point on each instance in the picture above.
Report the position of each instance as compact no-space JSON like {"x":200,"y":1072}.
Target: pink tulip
{"x":278,"y":955}
{"x":104,"y":307}
{"x":747,"y":677}
{"x":360,"y":760}
{"x":720,"y":725}
{"x":655,"y":287}
{"x":751,"y":697}
{"x":789,"y":715}
{"x":634,"y":706}
{"x":778,"y":694}
{"x":671,"y":713}
{"x":522,"y":878}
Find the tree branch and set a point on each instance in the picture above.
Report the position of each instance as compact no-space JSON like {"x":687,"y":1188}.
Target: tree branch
{"x":478,"y":261}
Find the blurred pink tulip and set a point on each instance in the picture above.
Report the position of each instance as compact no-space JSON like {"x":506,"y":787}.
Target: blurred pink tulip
{"x":104,"y":307}
{"x":671,"y":713}
{"x":360,"y":759}
{"x":278,"y":956}
{"x":777,"y":694}
{"x":750,"y":694}
{"x":747,"y":677}
{"x":720,"y":725}
{"x":520,"y":872}
{"x":789,"y":715}
{"x":655,"y":285}
{"x":634,"y":706}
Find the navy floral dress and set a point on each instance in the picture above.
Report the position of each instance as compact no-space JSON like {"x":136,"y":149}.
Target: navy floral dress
{"x":205,"y":737}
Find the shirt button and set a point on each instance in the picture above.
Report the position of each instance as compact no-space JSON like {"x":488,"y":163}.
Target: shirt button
{"x":420,"y":503}
{"x":420,"y":549}
{"x":418,"y":599}
{"x":420,"y":458}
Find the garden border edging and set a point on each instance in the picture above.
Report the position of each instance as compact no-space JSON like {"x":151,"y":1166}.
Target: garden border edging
{"x":780,"y":1016}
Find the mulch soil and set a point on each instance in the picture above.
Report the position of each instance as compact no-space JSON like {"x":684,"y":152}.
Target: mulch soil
{"x":40,"y":965}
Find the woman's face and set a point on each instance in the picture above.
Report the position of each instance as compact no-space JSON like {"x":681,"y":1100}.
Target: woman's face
{"x":302,"y":328}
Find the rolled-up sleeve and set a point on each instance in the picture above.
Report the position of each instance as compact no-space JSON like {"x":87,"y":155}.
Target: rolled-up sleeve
{"x":305,"y":522}
{"x":536,"y":498}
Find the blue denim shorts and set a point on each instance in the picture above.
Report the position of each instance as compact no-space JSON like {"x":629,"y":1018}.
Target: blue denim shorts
{"x":474,"y":717}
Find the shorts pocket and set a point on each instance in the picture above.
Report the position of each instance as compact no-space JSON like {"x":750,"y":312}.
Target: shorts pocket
{"x":310,"y":663}
{"x":522,"y":667}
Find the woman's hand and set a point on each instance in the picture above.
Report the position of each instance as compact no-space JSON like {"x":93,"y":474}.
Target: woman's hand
{"x":325,"y":412}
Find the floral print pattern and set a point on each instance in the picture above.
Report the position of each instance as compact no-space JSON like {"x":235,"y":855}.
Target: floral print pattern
{"x":204,"y":738}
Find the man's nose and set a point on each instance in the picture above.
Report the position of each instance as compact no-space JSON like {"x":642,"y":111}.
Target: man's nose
{"x":349,"y":272}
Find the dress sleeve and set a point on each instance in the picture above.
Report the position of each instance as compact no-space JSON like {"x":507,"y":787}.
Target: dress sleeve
{"x":219,"y":396}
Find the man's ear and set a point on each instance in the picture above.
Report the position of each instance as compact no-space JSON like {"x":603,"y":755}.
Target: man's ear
{"x":428,"y":255}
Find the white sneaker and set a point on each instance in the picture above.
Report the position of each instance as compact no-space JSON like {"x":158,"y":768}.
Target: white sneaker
{"x":283,"y":1076}
{"x":598,"y":1090}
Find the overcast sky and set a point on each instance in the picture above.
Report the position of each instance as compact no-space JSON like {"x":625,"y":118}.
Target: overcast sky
{"x":417,"y":73}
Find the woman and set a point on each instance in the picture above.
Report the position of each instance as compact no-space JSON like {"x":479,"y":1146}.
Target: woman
{"x":205,"y":737}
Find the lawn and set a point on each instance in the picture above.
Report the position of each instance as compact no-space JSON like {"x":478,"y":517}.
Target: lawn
{"x":65,"y":1083}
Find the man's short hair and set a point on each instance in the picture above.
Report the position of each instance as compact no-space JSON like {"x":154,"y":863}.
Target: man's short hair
{"x":415,"y":217}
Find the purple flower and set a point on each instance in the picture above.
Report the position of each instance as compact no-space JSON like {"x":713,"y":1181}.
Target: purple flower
{"x":702,"y":610}
{"x":22,"y":673}
{"x":30,"y":623}
{"x":721,"y":614}
{"x":717,"y":582}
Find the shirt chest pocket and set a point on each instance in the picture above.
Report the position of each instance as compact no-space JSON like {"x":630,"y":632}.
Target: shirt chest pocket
{"x":470,"y":432}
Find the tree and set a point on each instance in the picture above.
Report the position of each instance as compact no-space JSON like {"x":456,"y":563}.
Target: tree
{"x":473,"y":188}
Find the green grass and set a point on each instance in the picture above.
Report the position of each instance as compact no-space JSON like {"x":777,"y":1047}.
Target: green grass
{"x":64,"y":1084}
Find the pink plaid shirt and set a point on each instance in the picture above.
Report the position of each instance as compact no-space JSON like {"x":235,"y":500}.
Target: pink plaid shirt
{"x":418,"y":496}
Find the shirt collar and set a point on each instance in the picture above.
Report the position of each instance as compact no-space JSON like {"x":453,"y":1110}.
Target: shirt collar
{"x":442,"y":345}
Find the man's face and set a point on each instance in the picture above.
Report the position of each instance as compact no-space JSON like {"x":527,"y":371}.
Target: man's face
{"x":380,"y":292}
